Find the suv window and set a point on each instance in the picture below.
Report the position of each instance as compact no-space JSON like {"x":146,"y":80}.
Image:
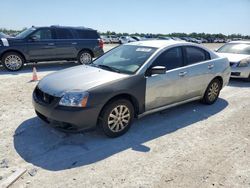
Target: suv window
{"x":195,"y":55}
{"x":63,"y":33}
{"x":87,"y":34}
{"x":43,"y":34}
{"x":171,"y":59}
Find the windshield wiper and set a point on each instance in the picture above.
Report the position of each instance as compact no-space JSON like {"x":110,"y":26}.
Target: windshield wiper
{"x":108,"y":68}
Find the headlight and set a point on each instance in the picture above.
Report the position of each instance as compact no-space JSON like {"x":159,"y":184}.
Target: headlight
{"x":74,"y":99}
{"x":244,"y":62}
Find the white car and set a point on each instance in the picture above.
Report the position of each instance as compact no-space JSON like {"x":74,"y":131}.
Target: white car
{"x":126,"y":39}
{"x":238,"y":54}
{"x":105,"y":39}
{"x":113,"y":39}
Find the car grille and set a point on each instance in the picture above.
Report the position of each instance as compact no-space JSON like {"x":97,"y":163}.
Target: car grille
{"x":44,"y":97}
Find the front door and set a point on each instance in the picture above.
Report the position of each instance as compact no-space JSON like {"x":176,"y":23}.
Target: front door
{"x":168,"y":88}
{"x":41,"y":46}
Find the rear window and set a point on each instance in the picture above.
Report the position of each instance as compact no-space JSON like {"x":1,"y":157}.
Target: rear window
{"x":87,"y":34}
{"x":63,"y":34}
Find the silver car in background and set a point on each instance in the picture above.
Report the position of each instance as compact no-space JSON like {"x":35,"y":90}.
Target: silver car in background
{"x":130,"y":81}
{"x":238,"y":54}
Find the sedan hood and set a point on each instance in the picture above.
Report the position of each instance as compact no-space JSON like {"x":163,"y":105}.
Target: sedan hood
{"x":81,"y":78}
{"x":234,"y":58}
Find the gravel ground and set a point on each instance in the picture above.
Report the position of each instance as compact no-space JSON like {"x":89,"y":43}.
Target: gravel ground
{"x":192,"y":145}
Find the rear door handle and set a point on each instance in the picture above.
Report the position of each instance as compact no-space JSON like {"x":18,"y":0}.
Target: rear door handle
{"x":210,"y":66}
{"x":182,"y":73}
{"x":51,"y":44}
{"x":74,"y":43}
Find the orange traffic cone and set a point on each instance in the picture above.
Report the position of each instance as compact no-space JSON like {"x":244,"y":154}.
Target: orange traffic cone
{"x":34,"y":76}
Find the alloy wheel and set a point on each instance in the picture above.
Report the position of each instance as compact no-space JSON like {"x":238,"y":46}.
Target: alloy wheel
{"x":13,"y":62}
{"x":119,"y":118}
{"x":85,"y":58}
{"x":213,"y":91}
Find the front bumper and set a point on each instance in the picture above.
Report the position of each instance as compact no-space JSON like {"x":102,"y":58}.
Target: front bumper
{"x":65,"y":118}
{"x":240,"y":72}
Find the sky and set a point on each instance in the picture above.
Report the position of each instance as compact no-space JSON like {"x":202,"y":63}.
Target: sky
{"x":142,"y":16}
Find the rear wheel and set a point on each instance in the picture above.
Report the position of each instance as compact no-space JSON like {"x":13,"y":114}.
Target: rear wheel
{"x":212,"y":92}
{"x":116,"y":117}
{"x":84,"y":57}
{"x":13,"y":61}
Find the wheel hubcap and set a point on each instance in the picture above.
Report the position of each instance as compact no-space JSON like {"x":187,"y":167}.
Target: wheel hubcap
{"x":119,"y":118}
{"x":85,"y":58}
{"x":213,"y":91}
{"x":13,"y":62}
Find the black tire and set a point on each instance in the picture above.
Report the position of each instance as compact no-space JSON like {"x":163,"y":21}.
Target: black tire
{"x":84,"y":57}
{"x":248,"y":79}
{"x":212,"y":92}
{"x":13,"y":61}
{"x":109,"y":109}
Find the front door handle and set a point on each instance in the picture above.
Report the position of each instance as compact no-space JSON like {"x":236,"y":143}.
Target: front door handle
{"x":182,"y":73}
{"x":51,"y":44}
{"x":74,"y":43}
{"x":210,"y":66}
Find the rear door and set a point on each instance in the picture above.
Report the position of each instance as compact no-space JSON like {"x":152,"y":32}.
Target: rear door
{"x":200,"y":70}
{"x":65,"y":43}
{"x":168,"y":88}
{"x":40,"y":45}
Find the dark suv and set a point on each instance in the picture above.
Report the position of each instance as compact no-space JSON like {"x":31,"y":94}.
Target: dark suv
{"x":50,"y":44}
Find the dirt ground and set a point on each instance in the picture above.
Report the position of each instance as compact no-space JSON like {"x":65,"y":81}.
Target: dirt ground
{"x":192,"y":145}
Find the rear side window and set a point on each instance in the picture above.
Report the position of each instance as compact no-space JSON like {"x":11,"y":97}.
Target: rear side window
{"x":196,"y":55}
{"x":171,"y":59}
{"x":63,"y":34}
{"x":87,"y":34}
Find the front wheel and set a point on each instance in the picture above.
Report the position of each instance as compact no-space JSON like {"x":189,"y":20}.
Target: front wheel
{"x":116,"y":118}
{"x":84,"y":57}
{"x":212,"y":92}
{"x":12,"y":61}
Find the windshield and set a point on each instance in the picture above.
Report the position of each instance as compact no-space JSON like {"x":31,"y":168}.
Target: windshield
{"x":125,"y":58}
{"x":3,"y":35}
{"x":235,"y":48}
{"x":25,"y":33}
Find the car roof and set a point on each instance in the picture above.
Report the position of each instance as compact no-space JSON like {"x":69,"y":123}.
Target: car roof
{"x":157,"y":43}
{"x":241,"y":42}
{"x":65,"y":27}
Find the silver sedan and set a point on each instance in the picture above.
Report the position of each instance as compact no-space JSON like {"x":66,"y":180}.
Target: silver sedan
{"x":129,"y":82}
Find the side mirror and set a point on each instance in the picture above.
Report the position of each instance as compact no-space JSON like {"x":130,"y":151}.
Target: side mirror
{"x":33,"y":38}
{"x":157,"y":70}
{"x":215,"y":50}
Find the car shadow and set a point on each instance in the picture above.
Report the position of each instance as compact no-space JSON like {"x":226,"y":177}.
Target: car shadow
{"x":237,"y":82}
{"x":39,"y":144}
{"x":41,"y":67}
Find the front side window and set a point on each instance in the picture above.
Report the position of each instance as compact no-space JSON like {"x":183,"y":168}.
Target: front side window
{"x":235,"y":48}
{"x":125,"y":58}
{"x":43,"y":34}
{"x":195,"y":55}
{"x":171,"y":59}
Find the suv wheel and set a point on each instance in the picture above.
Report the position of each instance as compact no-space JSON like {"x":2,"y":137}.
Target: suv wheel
{"x":212,"y":92}
{"x":116,"y":118}
{"x":85,"y":57}
{"x":12,"y":61}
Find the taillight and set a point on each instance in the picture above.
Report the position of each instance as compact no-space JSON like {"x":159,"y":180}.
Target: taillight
{"x":101,"y":43}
